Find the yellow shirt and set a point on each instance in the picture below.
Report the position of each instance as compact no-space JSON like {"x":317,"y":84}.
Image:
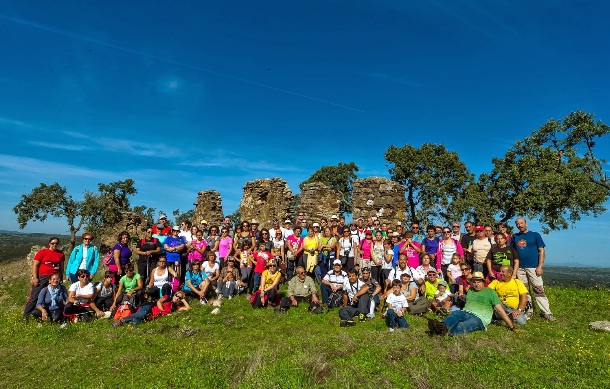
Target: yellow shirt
{"x":509,"y":292}
{"x":270,"y":278}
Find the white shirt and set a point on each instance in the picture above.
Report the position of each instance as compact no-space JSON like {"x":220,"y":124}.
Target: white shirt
{"x":85,"y":290}
{"x":352,"y":289}
{"x":398,"y":302}
{"x":335,"y":279}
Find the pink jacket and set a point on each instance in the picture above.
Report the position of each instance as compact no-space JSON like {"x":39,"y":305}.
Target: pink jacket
{"x":439,"y":251}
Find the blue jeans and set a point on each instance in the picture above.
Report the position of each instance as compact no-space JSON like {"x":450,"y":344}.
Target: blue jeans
{"x":462,"y":322}
{"x":393,"y":320}
{"x":257,"y":281}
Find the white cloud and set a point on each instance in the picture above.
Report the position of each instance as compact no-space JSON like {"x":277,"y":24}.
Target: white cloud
{"x":60,"y":146}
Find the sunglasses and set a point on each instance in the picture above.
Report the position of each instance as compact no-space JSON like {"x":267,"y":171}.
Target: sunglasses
{"x":54,"y":243}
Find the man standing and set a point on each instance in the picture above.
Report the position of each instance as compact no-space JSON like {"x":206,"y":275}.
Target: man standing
{"x":227,"y":224}
{"x":477,"y":313}
{"x":455,"y":232}
{"x":530,"y":247}
{"x":467,"y":239}
{"x":479,"y":248}
{"x":162,"y":228}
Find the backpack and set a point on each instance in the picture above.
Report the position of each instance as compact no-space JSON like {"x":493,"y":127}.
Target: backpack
{"x":108,"y":258}
{"x":335,"y":299}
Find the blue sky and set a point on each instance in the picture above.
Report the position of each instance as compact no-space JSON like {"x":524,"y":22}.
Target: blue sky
{"x":191,"y":96}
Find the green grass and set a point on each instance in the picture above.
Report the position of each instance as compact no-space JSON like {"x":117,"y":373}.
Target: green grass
{"x":246,"y":348}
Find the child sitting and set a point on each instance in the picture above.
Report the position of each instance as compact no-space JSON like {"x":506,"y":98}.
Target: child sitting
{"x":442,"y":298}
{"x":397,"y":306}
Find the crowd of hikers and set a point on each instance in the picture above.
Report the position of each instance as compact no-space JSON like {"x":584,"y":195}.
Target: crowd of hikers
{"x":365,"y":269}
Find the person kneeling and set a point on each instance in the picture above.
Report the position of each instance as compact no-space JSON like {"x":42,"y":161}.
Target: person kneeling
{"x":355,"y":301}
{"x":267,"y":293}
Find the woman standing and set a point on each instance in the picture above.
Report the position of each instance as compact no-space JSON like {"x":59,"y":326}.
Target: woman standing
{"x":244,"y":236}
{"x":377,"y":256}
{"x":147,"y":249}
{"x":266,"y":239}
{"x":122,"y":253}
{"x":347,"y":249}
{"x":47,"y":262}
{"x":224,"y":246}
{"x":84,"y":256}
{"x":447,"y":246}
{"x":196,"y":248}
{"x":213,"y":241}
{"x":293,"y":250}
{"x":311,"y":247}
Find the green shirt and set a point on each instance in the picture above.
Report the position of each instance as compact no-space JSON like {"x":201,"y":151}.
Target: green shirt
{"x":301,"y":289}
{"x":481,"y":304}
{"x":129,"y":283}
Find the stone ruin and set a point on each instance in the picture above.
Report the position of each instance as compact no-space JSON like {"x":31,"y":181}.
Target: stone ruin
{"x":265,"y":200}
{"x":131,"y":222}
{"x":209,"y":207}
{"x":318,"y":200}
{"x":381,"y":197}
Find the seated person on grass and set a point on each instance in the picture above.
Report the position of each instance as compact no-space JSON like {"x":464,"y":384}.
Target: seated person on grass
{"x":195,"y":282}
{"x":430,"y":288}
{"x":164,"y":306}
{"x":442,"y":299}
{"x":355,"y":300}
{"x":374,"y":292}
{"x":397,"y":306}
{"x":51,"y":301}
{"x":80,"y":295}
{"x":229,"y":279}
{"x":105,"y":292}
{"x":332,"y":285}
{"x":476,"y":316}
{"x":300,"y":288}
{"x":418,"y":304}
{"x":159,"y":282}
{"x":130,"y":288}
{"x":267,"y":294}
{"x":512,"y":294}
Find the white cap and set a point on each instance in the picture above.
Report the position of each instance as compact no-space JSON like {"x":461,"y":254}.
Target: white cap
{"x":337,"y":262}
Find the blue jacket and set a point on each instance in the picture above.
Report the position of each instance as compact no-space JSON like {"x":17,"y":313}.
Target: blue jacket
{"x":76,"y":257}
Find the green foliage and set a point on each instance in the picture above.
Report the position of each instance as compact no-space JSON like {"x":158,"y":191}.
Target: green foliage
{"x":552,"y":176}
{"x":94,"y":211}
{"x":433,"y":178}
{"x":183,"y":216}
{"x":147,"y":212}
{"x":340,"y":178}
{"x":235,"y":217}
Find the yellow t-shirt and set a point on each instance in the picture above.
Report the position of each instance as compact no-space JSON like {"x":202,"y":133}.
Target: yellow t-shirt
{"x":509,"y":292}
{"x":270,"y":278}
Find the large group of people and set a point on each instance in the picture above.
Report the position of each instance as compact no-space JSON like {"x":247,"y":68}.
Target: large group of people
{"x":364,"y":269}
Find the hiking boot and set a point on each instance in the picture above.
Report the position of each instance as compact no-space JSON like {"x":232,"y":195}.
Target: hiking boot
{"x":361,"y":318}
{"x":351,"y":323}
{"x":431,"y":328}
{"x":549,"y":317}
{"x":343,"y":323}
{"x":440,"y":327}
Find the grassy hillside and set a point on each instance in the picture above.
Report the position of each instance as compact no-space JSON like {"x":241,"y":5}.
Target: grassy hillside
{"x":244,"y":348}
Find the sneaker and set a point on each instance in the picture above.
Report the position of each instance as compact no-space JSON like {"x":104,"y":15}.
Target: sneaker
{"x":249,"y":296}
{"x":370,"y":315}
{"x":63,"y":325}
{"x":351,"y":323}
{"x":361,"y":318}
{"x":549,"y":317}
{"x":230,"y":297}
{"x":203,"y":301}
{"x":218,"y":291}
{"x":391,"y":329}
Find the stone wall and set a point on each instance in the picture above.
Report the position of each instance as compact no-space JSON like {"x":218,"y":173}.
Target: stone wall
{"x":265,"y":200}
{"x":133,"y":223}
{"x":318,"y":200}
{"x":381,"y":197}
{"x":209,"y":207}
